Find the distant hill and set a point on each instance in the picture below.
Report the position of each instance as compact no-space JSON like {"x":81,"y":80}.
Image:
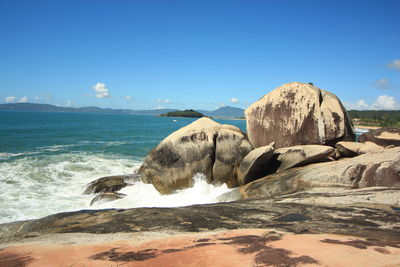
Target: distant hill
{"x":51,"y":108}
{"x":226,"y":112}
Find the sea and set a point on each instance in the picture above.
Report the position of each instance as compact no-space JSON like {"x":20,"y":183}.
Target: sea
{"x":47,"y":159}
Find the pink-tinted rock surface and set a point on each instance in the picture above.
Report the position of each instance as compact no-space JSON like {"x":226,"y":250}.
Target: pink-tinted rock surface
{"x":245,"y":247}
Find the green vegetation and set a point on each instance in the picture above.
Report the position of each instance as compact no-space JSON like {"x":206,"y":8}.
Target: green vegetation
{"x":383,"y":118}
{"x":189,"y":113}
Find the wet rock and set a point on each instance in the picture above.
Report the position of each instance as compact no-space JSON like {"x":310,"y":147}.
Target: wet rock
{"x":289,"y":157}
{"x":352,"y":149}
{"x":110,"y":184}
{"x":106,"y":197}
{"x":387,"y":136}
{"x":380,"y":168}
{"x":255,"y":164}
{"x":298,"y":114}
{"x":203,"y":146}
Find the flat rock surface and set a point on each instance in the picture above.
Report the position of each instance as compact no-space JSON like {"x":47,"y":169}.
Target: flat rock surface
{"x":246,"y":247}
{"x":293,"y":217}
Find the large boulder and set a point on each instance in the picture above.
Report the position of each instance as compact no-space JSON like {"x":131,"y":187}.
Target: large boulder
{"x":254,"y":165}
{"x":231,"y":148}
{"x":352,"y":149}
{"x":289,"y":157}
{"x":387,"y":136}
{"x":381,"y":168}
{"x":203,"y":146}
{"x":298,"y":114}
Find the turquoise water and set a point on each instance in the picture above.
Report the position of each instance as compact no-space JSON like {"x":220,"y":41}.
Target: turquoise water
{"x":46,"y":160}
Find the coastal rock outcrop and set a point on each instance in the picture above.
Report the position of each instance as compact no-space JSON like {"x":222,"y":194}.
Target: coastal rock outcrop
{"x":289,"y":157}
{"x":203,"y":146}
{"x":254,"y":165}
{"x":386,"y":136}
{"x":231,"y":148}
{"x":298,"y":114}
{"x":110,"y":184}
{"x":380,"y":168}
{"x":352,"y":149}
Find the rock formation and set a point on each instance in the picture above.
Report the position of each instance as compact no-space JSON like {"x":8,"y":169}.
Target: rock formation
{"x":203,"y":146}
{"x":352,"y":149}
{"x":289,"y":157}
{"x":254,"y":165}
{"x":381,"y":168}
{"x":298,"y":114}
{"x":387,"y":136}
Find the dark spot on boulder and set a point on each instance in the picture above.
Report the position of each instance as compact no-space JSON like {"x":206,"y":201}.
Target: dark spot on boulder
{"x":165,"y":156}
{"x":293,"y":217}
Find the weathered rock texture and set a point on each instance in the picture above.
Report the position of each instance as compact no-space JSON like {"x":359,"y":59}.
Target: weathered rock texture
{"x":254,"y":165}
{"x":373,"y":169}
{"x":203,"y":146}
{"x":298,"y":114}
{"x":352,"y":149}
{"x":289,"y":157}
{"x":387,"y":136}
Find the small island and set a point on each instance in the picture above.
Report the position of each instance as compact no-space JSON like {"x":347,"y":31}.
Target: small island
{"x":188,"y":113}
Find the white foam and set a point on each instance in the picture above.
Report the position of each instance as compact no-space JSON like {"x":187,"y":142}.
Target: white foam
{"x":34,"y":187}
{"x":361,"y":131}
{"x":145,"y":195}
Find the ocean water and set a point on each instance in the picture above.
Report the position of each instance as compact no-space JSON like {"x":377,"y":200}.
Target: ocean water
{"x":47,"y":159}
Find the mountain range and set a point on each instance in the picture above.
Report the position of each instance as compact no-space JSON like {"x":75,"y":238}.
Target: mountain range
{"x":223,"y":112}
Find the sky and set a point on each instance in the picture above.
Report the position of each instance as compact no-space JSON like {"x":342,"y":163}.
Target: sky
{"x":147,"y":54}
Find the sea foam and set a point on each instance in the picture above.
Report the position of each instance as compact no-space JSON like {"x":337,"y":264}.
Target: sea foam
{"x":37,"y":186}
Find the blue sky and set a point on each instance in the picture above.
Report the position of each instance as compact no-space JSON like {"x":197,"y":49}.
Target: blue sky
{"x":202,"y":54}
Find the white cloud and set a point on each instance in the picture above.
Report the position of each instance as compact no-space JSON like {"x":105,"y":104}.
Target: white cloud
{"x":23,"y":99}
{"x":160,"y":107}
{"x":36,"y":98}
{"x":221,"y":104}
{"x":69,"y":103}
{"x":10,"y":99}
{"x":101,"y":90}
{"x":385,"y":102}
{"x":395,"y":64}
{"x":234,"y":100}
{"x":128,"y":97}
{"x":165,"y":101}
{"x":383,"y":84}
{"x":359,"y":105}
